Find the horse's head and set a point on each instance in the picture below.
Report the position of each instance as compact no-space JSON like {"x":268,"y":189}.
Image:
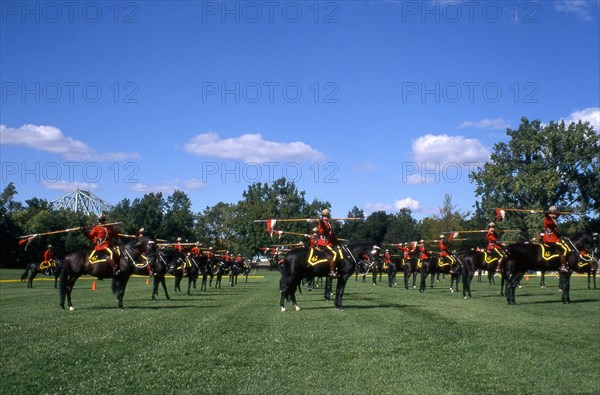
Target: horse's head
{"x":368,"y":247}
{"x":585,"y":239}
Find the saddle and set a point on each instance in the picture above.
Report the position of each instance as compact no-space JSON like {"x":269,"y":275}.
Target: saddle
{"x":104,"y":255}
{"x":547,"y":251}
{"x":489,"y":257}
{"x":316,"y":256}
{"x":45,"y":265}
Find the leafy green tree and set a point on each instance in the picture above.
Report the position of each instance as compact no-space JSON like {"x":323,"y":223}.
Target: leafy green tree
{"x":9,"y":230}
{"x":179,"y":218}
{"x":540,"y":166}
{"x":402,"y":227}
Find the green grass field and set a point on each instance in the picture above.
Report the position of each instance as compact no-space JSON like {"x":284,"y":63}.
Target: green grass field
{"x":235,"y":340}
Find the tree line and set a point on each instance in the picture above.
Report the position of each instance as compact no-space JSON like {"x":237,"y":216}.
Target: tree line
{"x":540,"y":165}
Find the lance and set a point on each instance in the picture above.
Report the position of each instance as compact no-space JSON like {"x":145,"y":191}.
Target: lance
{"x":501,"y":212}
{"x":482,"y":231}
{"x":181,"y":244}
{"x":281,"y":232}
{"x":304,"y":219}
{"x":272,"y":221}
{"x":28,"y":238}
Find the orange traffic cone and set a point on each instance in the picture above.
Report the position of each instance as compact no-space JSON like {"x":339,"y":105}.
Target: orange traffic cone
{"x":93,"y":285}
{"x":147,"y":281}
{"x":527,"y":277}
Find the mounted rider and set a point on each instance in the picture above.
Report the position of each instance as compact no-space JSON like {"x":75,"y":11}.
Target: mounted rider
{"x":445,"y":252}
{"x":183,"y":256}
{"x":49,"y":262}
{"x":552,"y":238}
{"x":105,"y":237}
{"x":314,"y":238}
{"x":329,"y":240}
{"x":387,"y":259}
{"x":494,"y":245}
{"x":423,"y":253}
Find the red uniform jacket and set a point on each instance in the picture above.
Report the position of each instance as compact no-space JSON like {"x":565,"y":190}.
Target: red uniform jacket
{"x":406,"y":251}
{"x":424,"y":252}
{"x":387,"y":258}
{"x":48,"y":255}
{"x":492,"y":239}
{"x":179,"y":248}
{"x":326,"y":231}
{"x":102,"y":237}
{"x":550,"y":230}
{"x":443,"y":248}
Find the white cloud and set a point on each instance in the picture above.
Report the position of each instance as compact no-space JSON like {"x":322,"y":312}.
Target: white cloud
{"x":51,"y":139}
{"x":66,"y":186}
{"x":581,"y":8}
{"x":591,"y":115}
{"x":372,"y":207}
{"x":145,"y":188}
{"x":250,"y":148}
{"x":408,"y":202}
{"x":486,"y":123}
{"x":169,"y":186}
{"x":449,"y":149}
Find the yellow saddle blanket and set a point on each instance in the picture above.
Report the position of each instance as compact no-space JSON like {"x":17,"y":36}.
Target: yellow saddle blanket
{"x":316,"y":256}
{"x":489,"y":257}
{"x":103,"y":255}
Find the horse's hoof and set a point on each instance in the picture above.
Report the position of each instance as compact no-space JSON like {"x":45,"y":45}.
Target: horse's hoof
{"x":465,"y":298}
{"x":297,"y":308}
{"x":282,"y":309}
{"x":71,"y":308}
{"x":62,"y":306}
{"x":451,"y":290}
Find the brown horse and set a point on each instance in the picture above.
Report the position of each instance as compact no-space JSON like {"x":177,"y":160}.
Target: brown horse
{"x":78,"y":263}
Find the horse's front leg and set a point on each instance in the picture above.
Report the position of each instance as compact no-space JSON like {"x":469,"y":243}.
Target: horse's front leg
{"x":328,"y":287}
{"x":122,"y":283}
{"x":467,"y":280}
{"x":423,"y":281}
{"x":164,"y":285}
{"x":339,"y":291}
{"x":155,"y":288}
{"x":565,"y":281}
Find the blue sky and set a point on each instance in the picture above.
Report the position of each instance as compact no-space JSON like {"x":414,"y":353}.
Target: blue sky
{"x":375,"y":104}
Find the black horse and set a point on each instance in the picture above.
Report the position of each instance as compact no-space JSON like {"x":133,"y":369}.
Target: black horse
{"x":296,"y":266}
{"x":588,"y":264}
{"x":33,"y":269}
{"x":474,"y":261}
{"x":392,"y":269}
{"x":410,"y":267}
{"x":218,"y":269}
{"x":78,"y":263}
{"x":177,"y":268}
{"x":526,"y":256}
{"x":434,"y":265}
{"x":156,"y":267}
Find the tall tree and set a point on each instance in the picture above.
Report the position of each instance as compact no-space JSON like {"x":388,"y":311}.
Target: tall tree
{"x":179,"y":218}
{"x":540,"y":166}
{"x":402,"y":227}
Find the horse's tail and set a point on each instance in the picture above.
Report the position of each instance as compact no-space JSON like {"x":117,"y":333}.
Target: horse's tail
{"x":24,"y":275}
